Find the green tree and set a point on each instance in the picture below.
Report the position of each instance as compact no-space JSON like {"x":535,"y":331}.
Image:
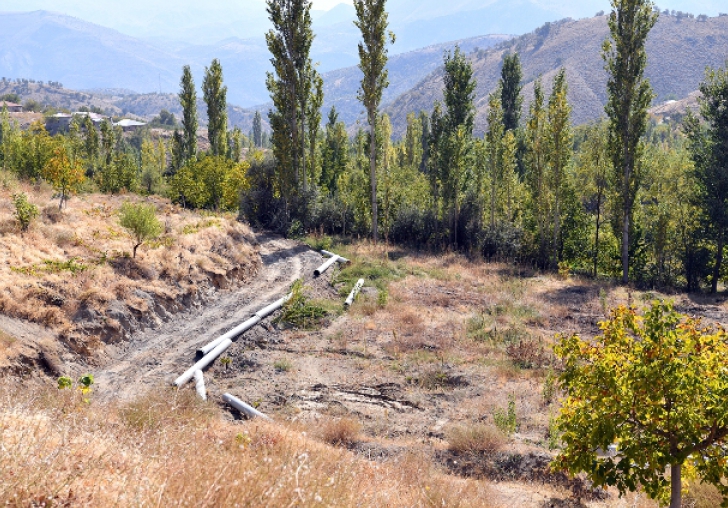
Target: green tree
{"x":536,"y":158}
{"x":510,"y":86}
{"x":187,"y":149}
{"x":709,"y":150}
{"x":64,"y":173}
{"x":290,"y":87}
{"x":25,"y":211}
{"x":629,"y":96}
{"x":141,"y":222}
{"x":236,"y":145}
{"x":654,"y":385}
{"x":372,"y":22}
{"x":459,"y":95}
{"x":153,"y":161}
{"x":257,"y":130}
{"x":215,"y":97}
{"x":335,"y":153}
{"x":560,"y":152}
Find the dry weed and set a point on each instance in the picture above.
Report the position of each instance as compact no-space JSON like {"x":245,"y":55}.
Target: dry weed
{"x":341,"y":432}
{"x":475,"y":438}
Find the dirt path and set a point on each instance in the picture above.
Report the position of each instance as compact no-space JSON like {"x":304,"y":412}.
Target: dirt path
{"x":156,"y":357}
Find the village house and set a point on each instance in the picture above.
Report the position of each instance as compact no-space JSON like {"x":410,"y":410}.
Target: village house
{"x":11,"y":107}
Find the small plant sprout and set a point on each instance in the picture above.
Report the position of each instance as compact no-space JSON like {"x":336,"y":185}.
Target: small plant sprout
{"x":65,"y":383}
{"x":25,"y":211}
{"x":226,"y":361}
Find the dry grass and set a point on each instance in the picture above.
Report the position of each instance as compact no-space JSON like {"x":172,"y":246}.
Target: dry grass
{"x":170,"y":450}
{"x":341,"y":432}
{"x":476,"y":438}
{"x":69,"y":267}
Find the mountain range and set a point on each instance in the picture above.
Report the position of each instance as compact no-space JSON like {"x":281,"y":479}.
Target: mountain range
{"x":679,"y":49}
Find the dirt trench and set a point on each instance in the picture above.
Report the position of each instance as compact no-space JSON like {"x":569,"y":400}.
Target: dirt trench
{"x":154,"y":358}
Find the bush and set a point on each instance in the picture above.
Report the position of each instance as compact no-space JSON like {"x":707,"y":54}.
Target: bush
{"x":141,"y":222}
{"x":478,"y":438}
{"x":25,"y":211}
{"x":341,"y":432}
{"x":529,"y":354}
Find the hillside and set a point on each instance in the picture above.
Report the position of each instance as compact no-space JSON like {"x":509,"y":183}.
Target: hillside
{"x":405,"y":71}
{"x":679,"y":49}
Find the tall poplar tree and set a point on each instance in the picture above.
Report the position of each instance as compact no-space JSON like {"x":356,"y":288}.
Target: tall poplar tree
{"x":188,"y":100}
{"x":372,"y":22}
{"x":290,"y":86}
{"x":257,"y":130}
{"x":630,"y":95}
{"x":709,"y":150}
{"x":536,"y":167}
{"x":560,"y":152}
{"x":215,"y":96}
{"x":510,"y":84}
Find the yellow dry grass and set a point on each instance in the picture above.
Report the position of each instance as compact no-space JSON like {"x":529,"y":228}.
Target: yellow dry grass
{"x":171,"y":450}
{"x":79,"y":260}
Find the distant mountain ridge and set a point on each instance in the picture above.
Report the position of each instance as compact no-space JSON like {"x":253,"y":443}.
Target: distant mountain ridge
{"x":679,"y":50}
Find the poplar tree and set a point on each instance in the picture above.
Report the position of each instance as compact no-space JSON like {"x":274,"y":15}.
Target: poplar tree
{"x":188,"y":100}
{"x":709,"y":151}
{"x":335,"y":156}
{"x":257,"y":130}
{"x":629,"y":96}
{"x":290,"y":85}
{"x":510,"y":85}
{"x":560,"y":151}
{"x":536,"y":164}
{"x":215,"y":96}
{"x":372,"y":22}
{"x":459,"y":94}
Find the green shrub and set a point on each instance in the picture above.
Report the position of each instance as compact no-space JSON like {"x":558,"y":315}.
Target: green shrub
{"x":141,"y":222}
{"x":507,"y":421}
{"x":300,"y":311}
{"x":25,"y":211}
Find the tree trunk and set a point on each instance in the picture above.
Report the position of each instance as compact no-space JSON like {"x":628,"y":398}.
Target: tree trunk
{"x":135,"y":249}
{"x":596,"y":238}
{"x":718,"y":263}
{"x":676,"y":486}
{"x":625,"y":226}
{"x":373,"y":175}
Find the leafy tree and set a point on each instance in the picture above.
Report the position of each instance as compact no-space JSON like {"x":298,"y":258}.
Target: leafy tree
{"x":25,"y":211}
{"x":236,"y":144}
{"x":560,"y":152}
{"x":154,"y":160}
{"x":210,"y":182}
{"x":536,"y":136}
{"x":709,"y":150}
{"x":290,"y":85}
{"x":372,"y":22}
{"x":459,"y":94}
{"x":335,"y":156}
{"x":215,"y":96}
{"x":120,"y":174}
{"x":187,"y":143}
{"x":510,"y":86}
{"x":64,"y":174}
{"x":90,"y":144}
{"x":257,"y":130}
{"x":654,"y":385}
{"x":629,"y":96}
{"x":141,"y":222}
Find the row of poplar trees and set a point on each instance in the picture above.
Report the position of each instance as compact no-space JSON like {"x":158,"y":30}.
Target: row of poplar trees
{"x":602,"y":197}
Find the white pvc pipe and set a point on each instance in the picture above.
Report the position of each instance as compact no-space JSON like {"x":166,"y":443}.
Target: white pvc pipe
{"x":200,"y":385}
{"x":349,"y":301}
{"x":331,"y":254}
{"x":321,"y":269}
{"x":206,"y":360}
{"x":270,"y":309}
{"x":241,"y":406}
{"x":250,"y":323}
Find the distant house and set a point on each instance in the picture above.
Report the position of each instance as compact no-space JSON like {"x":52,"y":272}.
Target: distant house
{"x":60,"y":121}
{"x":128,"y":125}
{"x":11,"y":107}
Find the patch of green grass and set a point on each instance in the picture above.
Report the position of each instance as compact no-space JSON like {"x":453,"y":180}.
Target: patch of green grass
{"x":375,"y":272}
{"x":283,"y":365}
{"x":306,"y":313}
{"x":52,"y":266}
{"x":319,"y":242}
{"x":190,"y":229}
